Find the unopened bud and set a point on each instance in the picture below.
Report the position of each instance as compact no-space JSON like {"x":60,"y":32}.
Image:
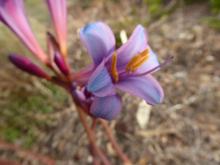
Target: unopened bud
{"x":28,"y":66}
{"x":61,"y":64}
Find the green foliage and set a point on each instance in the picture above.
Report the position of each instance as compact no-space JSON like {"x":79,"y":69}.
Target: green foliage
{"x":188,"y":2}
{"x":212,"y":22}
{"x":215,"y":6}
{"x":159,"y":9}
{"x":85,"y":3}
{"x":11,"y":134}
{"x":20,"y":113}
{"x":154,"y":6}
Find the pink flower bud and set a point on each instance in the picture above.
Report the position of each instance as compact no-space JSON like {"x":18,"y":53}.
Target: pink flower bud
{"x":26,"y":65}
{"x":61,"y":64}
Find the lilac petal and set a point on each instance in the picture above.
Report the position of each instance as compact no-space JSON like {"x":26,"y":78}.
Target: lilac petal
{"x":58,"y":11}
{"x":145,"y":87}
{"x":99,"y":40}
{"x":26,"y":65}
{"x":106,"y":107}
{"x":100,"y":82}
{"x":135,"y":45}
{"x":61,"y":64}
{"x":12,"y":15}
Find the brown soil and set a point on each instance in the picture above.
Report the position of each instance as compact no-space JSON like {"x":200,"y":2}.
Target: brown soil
{"x":185,"y":129}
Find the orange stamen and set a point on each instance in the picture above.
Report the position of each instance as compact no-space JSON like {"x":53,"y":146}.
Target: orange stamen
{"x":137,"y":61}
{"x":114,"y":71}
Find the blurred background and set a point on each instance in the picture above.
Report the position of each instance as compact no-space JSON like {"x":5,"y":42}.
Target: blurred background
{"x":38,"y":116}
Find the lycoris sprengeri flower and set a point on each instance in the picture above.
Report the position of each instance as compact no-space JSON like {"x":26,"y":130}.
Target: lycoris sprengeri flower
{"x":93,"y":89}
{"x":127,"y":68}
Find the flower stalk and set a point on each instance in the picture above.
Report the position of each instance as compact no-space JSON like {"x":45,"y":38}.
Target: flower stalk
{"x":93,"y":89}
{"x":114,"y":143}
{"x":91,"y":137}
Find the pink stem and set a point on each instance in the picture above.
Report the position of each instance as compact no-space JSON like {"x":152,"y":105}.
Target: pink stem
{"x":91,"y":137}
{"x":114,"y":143}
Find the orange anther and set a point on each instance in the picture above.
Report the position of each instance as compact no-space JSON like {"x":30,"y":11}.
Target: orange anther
{"x":114,"y":71}
{"x":137,"y":61}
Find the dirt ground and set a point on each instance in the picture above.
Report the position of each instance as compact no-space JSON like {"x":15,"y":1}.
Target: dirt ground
{"x":183,"y":130}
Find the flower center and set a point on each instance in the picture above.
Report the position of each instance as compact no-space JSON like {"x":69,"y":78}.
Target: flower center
{"x":137,"y":61}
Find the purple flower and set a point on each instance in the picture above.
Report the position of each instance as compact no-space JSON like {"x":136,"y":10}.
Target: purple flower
{"x":12,"y":15}
{"x":127,"y":68}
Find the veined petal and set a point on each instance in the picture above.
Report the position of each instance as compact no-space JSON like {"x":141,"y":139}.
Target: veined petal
{"x":12,"y":15}
{"x":145,"y":87}
{"x":58,"y":12}
{"x":106,"y":107}
{"x":136,"y":44}
{"x":100,"y":82}
{"x":26,"y":65}
{"x":99,"y":40}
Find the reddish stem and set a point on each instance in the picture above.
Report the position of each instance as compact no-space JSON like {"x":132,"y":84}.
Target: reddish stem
{"x":96,"y":159}
{"x":8,"y":162}
{"x":114,"y":143}
{"x":91,"y":137}
{"x":94,"y":122}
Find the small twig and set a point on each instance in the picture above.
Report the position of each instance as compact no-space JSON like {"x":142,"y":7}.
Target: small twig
{"x":156,"y":132}
{"x":8,"y":162}
{"x":30,"y":154}
{"x":114,"y":143}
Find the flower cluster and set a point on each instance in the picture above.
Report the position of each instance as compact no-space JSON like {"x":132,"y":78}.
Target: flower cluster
{"x":128,"y":68}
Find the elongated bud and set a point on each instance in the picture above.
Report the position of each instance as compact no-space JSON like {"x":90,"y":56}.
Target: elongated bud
{"x":53,"y":41}
{"x":61,"y":64}
{"x":12,"y":14}
{"x":58,"y":12}
{"x":26,"y":65}
{"x":52,"y":45}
